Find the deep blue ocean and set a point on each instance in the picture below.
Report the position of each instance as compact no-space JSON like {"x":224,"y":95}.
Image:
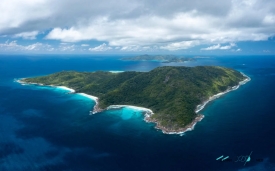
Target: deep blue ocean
{"x":43,"y":128}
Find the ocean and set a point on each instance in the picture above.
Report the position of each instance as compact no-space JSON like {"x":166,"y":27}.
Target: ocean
{"x":47,"y":129}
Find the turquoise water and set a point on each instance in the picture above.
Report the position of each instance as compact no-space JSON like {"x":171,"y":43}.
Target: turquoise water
{"x":45,"y":128}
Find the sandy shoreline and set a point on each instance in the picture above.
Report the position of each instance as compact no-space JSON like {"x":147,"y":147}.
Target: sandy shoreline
{"x":94,"y":98}
{"x":116,"y":71}
{"x":96,"y":109}
{"x":64,"y":88}
{"x":147,"y":112}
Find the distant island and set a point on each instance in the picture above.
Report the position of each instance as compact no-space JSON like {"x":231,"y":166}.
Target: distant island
{"x":172,"y":95}
{"x":160,"y":58}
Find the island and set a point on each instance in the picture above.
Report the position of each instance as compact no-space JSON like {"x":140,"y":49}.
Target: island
{"x":171,"y":96}
{"x":159,"y":58}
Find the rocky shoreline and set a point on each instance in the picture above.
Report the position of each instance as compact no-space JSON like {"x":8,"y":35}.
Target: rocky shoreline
{"x":191,"y":126}
{"x":165,"y":130}
{"x":96,"y":108}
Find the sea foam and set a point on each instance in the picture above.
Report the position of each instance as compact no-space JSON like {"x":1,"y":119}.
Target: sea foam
{"x":65,"y":88}
{"x":89,"y":96}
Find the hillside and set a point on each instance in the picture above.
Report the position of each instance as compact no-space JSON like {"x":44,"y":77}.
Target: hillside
{"x":172,"y":93}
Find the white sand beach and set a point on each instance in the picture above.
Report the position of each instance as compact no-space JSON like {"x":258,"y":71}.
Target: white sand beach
{"x":64,"y":88}
{"x":89,"y":96}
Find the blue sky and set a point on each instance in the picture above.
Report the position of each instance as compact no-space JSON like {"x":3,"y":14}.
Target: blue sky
{"x":231,"y":27}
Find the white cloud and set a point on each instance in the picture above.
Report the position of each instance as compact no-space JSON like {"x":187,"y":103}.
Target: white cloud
{"x":15,"y":13}
{"x":269,"y":20}
{"x":131,"y":48}
{"x":27,"y":35}
{"x":136,"y":32}
{"x":225,"y":47}
{"x":84,"y":45}
{"x":66,"y":47}
{"x":180,"y":45}
{"x":174,"y":32}
{"x":66,"y":35}
{"x":214,"y":47}
{"x":13,"y":46}
{"x":102,"y":47}
{"x":184,"y":31}
{"x":34,"y":46}
{"x":169,"y":25}
{"x":218,"y":46}
{"x":135,"y":48}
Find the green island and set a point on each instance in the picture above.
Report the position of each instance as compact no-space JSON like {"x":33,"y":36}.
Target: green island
{"x":172,"y":93}
{"x":160,"y":58}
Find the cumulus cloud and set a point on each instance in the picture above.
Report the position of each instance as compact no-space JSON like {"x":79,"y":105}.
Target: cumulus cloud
{"x":180,"y":45}
{"x":214,"y":47}
{"x":66,"y":47}
{"x":34,"y":46}
{"x":11,"y":46}
{"x":100,"y":48}
{"x":130,"y":48}
{"x":218,"y":46}
{"x":169,"y":25}
{"x":22,"y":16}
{"x":14,"y":46}
{"x":27,"y":35}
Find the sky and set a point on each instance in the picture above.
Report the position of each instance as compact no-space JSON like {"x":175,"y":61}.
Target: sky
{"x":231,"y":27}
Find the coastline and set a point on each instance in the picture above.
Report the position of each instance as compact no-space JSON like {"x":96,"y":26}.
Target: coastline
{"x":116,"y":71}
{"x":65,"y":88}
{"x":199,"y":107}
{"x":148,"y":112}
{"x":95,"y":110}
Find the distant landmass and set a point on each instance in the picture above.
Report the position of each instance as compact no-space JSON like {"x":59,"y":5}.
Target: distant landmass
{"x":160,"y":58}
{"x":174,"y":94}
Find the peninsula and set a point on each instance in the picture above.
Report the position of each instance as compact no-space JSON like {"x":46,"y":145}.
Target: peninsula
{"x":172,"y":95}
{"x":160,"y":58}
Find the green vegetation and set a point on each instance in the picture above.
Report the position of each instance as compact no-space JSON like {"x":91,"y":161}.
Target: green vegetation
{"x":160,"y":58}
{"x":172,"y":93}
